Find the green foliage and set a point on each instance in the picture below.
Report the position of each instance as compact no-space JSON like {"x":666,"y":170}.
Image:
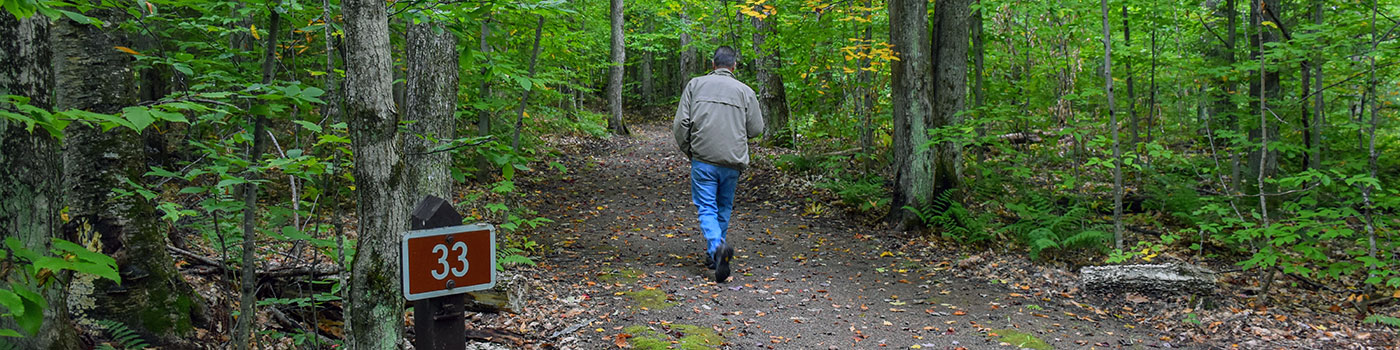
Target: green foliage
{"x":1042,"y":229}
{"x":22,"y":300}
{"x":123,"y":337}
{"x":866,"y":193}
{"x":1383,"y":319}
{"x":955,"y":220}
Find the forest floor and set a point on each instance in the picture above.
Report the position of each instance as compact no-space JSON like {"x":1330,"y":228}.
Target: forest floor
{"x":625,"y":270}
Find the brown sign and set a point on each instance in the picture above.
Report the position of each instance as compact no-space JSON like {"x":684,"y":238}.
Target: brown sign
{"x":448,"y":260}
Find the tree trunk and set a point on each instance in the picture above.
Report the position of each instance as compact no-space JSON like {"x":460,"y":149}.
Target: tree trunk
{"x":520,"y":113}
{"x":431,"y":101}
{"x":616,"y":71}
{"x":242,"y":337}
{"x":926,"y":96}
{"x":867,"y":94}
{"x":483,"y":115}
{"x":1262,"y":163}
{"x":647,"y":60}
{"x":30,"y":169}
{"x":979,"y":49}
{"x":1319,"y":117}
{"x":1113,"y":124}
{"x":950,"y":38}
{"x":772,"y":95}
{"x":153,"y":298}
{"x":688,"y":56}
{"x":1128,"y":70}
{"x":375,"y":309}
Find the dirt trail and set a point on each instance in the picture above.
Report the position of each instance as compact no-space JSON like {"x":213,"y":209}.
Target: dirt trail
{"x":626,"y":233}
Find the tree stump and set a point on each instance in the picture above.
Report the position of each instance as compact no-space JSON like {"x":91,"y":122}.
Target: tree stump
{"x":1158,"y":279}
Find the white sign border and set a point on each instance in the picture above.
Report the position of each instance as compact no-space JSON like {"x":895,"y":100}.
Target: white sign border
{"x":403,"y":264}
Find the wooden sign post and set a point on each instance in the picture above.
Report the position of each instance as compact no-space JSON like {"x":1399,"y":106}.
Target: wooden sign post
{"x":441,"y":260}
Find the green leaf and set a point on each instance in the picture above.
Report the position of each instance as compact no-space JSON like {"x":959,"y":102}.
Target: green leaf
{"x":34,"y":306}
{"x":11,"y":302}
{"x":524,"y":82}
{"x":6,"y":332}
{"x":140,"y":117}
{"x":308,"y":125}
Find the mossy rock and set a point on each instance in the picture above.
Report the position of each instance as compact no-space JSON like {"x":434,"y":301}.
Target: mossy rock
{"x":1022,"y":340}
{"x":673,"y":336}
{"x":650,"y":299}
{"x":623,"y":276}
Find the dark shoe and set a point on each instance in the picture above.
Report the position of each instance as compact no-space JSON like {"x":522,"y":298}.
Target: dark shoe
{"x":725,"y":254}
{"x":709,"y":261}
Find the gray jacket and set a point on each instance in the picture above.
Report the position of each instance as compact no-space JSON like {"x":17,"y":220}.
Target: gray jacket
{"x":716,"y":117}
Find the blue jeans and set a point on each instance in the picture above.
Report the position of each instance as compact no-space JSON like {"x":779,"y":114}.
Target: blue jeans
{"x":712,"y":190}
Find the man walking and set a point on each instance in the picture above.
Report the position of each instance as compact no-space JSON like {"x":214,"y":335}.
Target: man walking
{"x":716,"y":117}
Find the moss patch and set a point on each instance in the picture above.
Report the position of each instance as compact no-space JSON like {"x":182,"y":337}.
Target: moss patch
{"x":1022,"y":339}
{"x":650,"y":299}
{"x":673,"y":336}
{"x":623,"y":276}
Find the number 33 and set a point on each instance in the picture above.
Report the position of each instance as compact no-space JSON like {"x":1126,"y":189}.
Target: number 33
{"x":443,"y":260}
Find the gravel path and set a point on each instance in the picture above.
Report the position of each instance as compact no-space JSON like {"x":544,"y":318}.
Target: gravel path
{"x":625,"y":235}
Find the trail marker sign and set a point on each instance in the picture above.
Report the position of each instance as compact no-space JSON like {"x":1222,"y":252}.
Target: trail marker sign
{"x":448,"y":260}
{"x":441,"y":260}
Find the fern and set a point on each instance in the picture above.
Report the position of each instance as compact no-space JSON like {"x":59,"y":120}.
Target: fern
{"x":1383,"y":319}
{"x":954,"y":219}
{"x":124,"y":337}
{"x":1044,"y":231}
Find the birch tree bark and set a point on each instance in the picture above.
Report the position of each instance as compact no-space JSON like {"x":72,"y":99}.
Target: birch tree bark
{"x":375,"y":308}
{"x":30,"y":170}
{"x":1113,"y":124}
{"x":153,"y":298}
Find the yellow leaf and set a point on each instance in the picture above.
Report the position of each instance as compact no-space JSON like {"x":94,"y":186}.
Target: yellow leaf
{"x":128,"y":50}
{"x":253,"y":28}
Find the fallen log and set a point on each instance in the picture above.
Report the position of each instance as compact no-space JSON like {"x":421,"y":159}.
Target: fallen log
{"x":507,"y":295}
{"x":1158,"y":279}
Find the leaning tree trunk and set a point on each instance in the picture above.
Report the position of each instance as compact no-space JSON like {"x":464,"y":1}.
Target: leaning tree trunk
{"x":153,"y":298}
{"x":772,"y":95}
{"x":615,"y":72}
{"x":375,"y":309}
{"x":432,"y":98}
{"x":30,"y":171}
{"x":909,"y":84}
{"x":525,"y":97}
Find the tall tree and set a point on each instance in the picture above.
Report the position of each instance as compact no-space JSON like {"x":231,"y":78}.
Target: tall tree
{"x":92,"y":76}
{"x":534,"y":61}
{"x":1113,"y":125}
{"x":431,"y":101}
{"x":375,"y":308}
{"x":929,"y":84}
{"x":1262,"y":163}
{"x":772,"y":95}
{"x":616,"y":70}
{"x":30,"y":170}
{"x":950,"y":45}
{"x":483,"y":113}
{"x":248,"y":299}
{"x":648,"y":58}
{"x":688,"y":59}
{"x":910,"y":80}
